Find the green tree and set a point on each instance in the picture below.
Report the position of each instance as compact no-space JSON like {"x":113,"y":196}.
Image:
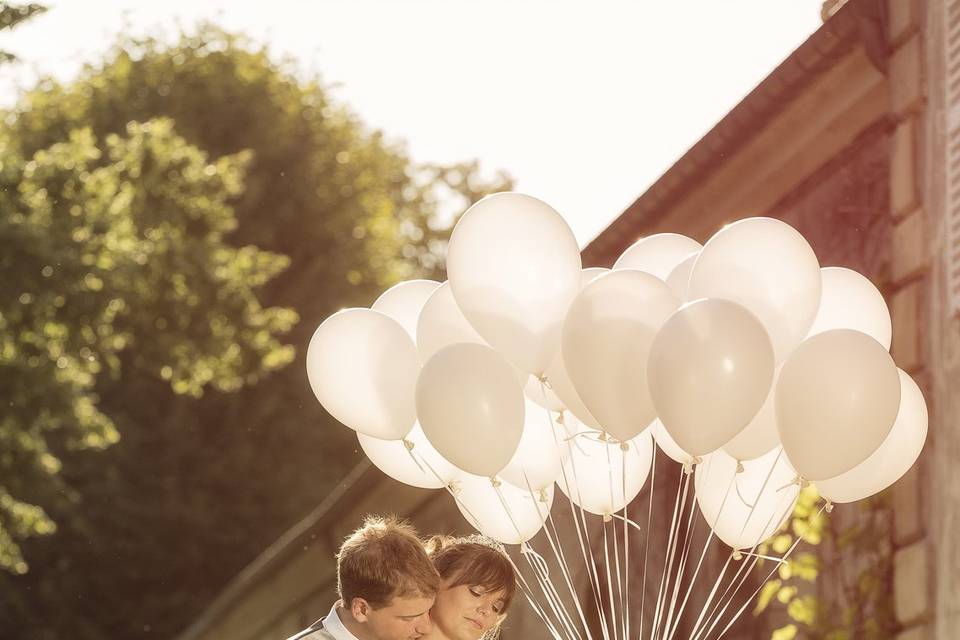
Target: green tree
{"x":99,"y":245}
{"x":197,"y":486}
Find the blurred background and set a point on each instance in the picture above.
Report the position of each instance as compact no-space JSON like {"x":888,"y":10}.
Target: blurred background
{"x":188,"y":188}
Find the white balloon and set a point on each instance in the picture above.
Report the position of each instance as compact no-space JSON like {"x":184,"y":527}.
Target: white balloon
{"x":505,"y":513}
{"x":606,"y":341}
{"x":710,"y":369}
{"x":760,"y":436}
{"x":442,"y":324}
{"x":420,"y":467}
{"x":542,"y":395}
{"x":559,"y":392}
{"x":836,"y":400}
{"x":404,"y":301}
{"x":514,"y":267}
{"x":536,"y":463}
{"x":562,"y":387}
{"x":363,"y":367}
{"x":589,"y":274}
{"x":593,"y":474}
{"x":679,"y":278}
{"x":746,"y":508}
{"x":850,"y":301}
{"x":471,"y":407}
{"x":893,"y":458}
{"x":662,"y":437}
{"x":658,"y":254}
{"x":768,"y":267}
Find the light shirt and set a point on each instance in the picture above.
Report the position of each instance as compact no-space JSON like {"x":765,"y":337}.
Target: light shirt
{"x":334,"y":625}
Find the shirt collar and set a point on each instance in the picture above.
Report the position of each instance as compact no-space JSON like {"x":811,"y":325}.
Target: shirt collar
{"x":334,"y":625}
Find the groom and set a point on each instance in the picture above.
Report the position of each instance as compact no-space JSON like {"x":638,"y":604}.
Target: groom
{"x":386,"y":585}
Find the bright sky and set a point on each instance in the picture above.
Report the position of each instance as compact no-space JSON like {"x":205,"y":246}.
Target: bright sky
{"x":585,"y":103}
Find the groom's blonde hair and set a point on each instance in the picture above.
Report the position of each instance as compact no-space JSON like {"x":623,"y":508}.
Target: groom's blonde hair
{"x":382,"y":560}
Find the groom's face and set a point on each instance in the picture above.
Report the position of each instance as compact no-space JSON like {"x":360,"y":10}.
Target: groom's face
{"x":401,"y":619}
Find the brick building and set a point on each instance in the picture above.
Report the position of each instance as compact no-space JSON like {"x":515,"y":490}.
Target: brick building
{"x":855,"y":140}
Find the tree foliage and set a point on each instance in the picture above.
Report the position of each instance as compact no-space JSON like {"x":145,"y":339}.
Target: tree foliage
{"x":852,"y":599}
{"x":216,"y":459}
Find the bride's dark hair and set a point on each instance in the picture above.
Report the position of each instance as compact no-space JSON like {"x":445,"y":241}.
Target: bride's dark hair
{"x":474,"y":561}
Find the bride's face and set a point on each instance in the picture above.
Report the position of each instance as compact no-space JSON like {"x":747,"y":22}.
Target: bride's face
{"x":466,"y":612}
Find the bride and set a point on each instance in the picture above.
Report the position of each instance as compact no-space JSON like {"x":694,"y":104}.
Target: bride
{"x":477,"y":585}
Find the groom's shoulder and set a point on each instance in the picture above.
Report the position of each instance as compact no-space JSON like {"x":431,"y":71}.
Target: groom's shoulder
{"x":313,"y":632}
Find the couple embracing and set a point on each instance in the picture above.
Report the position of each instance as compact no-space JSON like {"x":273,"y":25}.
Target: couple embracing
{"x":393,"y":586}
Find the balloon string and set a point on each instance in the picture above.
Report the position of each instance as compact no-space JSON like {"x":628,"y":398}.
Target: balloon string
{"x":646,"y":550}
{"x":703,"y":554}
{"x":606,"y":557}
{"x":616,"y":545}
{"x":563,"y":568}
{"x":532,"y":557}
{"x":558,"y":550}
{"x":408,"y":445}
{"x":779,"y":561}
{"x":743,"y":528}
{"x":626,"y":546}
{"x":589,"y":565}
{"x":668,"y":556}
{"x":528,"y":593}
{"x":539,"y":566}
{"x":746,"y":574}
{"x":688,"y":540}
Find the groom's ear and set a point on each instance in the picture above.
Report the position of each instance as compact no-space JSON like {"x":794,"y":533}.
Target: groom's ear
{"x":360,"y":609}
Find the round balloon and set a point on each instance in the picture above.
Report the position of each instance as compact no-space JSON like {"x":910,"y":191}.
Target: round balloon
{"x":505,"y":513}
{"x":836,"y":399}
{"x":536,"y":463}
{"x":514,"y":267}
{"x":746,"y":508}
{"x":667,"y":445}
{"x":363,"y":367}
{"x":558,"y":392}
{"x":679,"y":278}
{"x":471,"y":407}
{"x":710,"y":369}
{"x":658,"y":254}
{"x":542,"y":394}
{"x":893,"y":457}
{"x":404,"y":301}
{"x":768,"y":267}
{"x":606,"y":341}
{"x":593,"y":474}
{"x":851,"y":301}
{"x":421,"y":466}
{"x":760,"y":436}
{"x":562,"y":387}
{"x":442,"y":323}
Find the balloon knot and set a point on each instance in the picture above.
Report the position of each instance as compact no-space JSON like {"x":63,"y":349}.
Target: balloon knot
{"x":454,"y":487}
{"x":828,"y":507}
{"x":739,"y":467}
{"x":560,"y":419}
{"x":542,"y":495}
{"x":737,"y":555}
{"x":607,"y":517}
{"x":603,"y":437}
{"x":688,"y":467}
{"x":408,"y":444}
{"x":494,"y":482}
{"x":624,"y":447}
{"x":697,"y":460}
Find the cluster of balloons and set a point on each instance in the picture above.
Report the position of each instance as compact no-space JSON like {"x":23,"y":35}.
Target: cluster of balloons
{"x":742,"y":359}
